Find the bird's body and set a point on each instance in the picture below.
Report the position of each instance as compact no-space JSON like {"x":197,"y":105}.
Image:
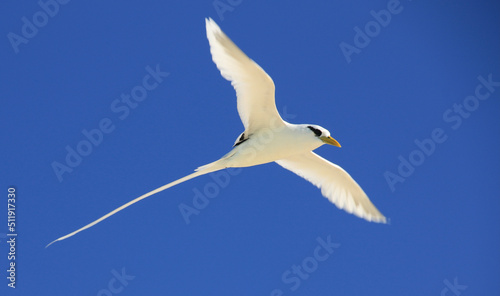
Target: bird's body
{"x":271,"y":144}
{"x":268,"y":138}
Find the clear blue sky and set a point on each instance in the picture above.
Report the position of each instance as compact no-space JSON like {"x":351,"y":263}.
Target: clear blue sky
{"x":423,"y":72}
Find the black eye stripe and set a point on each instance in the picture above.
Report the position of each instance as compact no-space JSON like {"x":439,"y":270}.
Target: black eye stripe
{"x":316,"y":131}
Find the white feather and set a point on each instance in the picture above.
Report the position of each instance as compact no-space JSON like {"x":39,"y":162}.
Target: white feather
{"x":335,"y":184}
{"x":254,"y":88}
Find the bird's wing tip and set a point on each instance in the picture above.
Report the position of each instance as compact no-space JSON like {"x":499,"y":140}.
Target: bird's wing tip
{"x":209,"y":22}
{"x":381,"y":220}
{"x":211,"y":26}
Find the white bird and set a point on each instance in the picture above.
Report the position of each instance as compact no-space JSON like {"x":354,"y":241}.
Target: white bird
{"x":267,"y":137}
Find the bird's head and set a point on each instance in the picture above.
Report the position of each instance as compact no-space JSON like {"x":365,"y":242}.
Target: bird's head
{"x":323,"y":135}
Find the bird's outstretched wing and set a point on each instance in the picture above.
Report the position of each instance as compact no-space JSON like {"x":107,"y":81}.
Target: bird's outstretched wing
{"x":335,"y":184}
{"x":254,"y":88}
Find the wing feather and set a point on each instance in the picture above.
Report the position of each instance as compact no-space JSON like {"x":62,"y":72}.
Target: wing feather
{"x":335,"y":184}
{"x":254,"y":88}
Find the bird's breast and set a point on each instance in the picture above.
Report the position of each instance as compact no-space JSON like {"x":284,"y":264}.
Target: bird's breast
{"x":269,"y":145}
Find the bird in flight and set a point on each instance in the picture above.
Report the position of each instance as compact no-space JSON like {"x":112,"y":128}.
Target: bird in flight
{"x":267,"y":137}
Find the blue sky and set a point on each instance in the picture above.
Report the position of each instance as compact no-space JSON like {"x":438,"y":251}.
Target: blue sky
{"x":413,"y":99}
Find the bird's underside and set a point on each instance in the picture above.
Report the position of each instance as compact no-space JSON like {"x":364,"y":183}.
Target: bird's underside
{"x":268,"y":138}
